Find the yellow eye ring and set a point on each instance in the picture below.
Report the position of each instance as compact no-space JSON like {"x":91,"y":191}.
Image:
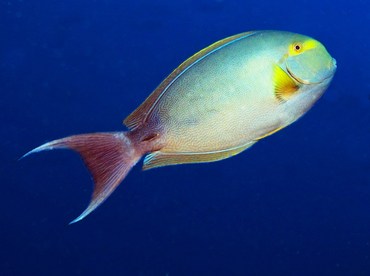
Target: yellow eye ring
{"x":297,"y":47}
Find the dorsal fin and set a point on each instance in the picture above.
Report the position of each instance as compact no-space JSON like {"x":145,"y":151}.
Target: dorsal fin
{"x":139,"y":115}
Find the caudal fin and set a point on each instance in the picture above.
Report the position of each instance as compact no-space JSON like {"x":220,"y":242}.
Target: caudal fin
{"x":108,"y":156}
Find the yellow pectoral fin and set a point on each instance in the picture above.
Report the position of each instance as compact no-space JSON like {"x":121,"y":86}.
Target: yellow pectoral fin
{"x":159,"y":159}
{"x":284,"y":85}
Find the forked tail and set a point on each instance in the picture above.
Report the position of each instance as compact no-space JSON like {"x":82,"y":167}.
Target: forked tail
{"x":108,"y":156}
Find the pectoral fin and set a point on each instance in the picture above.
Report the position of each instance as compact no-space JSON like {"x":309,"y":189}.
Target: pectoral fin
{"x":284,"y":85}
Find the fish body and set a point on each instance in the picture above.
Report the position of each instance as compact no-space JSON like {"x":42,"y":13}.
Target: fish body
{"x":216,"y":104}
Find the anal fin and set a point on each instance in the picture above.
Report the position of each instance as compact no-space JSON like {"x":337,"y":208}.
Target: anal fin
{"x":159,"y":158}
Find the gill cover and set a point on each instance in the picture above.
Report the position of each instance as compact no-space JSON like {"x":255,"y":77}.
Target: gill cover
{"x":309,"y":62}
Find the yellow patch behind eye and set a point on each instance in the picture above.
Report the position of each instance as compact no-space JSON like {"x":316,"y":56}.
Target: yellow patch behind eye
{"x":310,"y":44}
{"x":299,"y":47}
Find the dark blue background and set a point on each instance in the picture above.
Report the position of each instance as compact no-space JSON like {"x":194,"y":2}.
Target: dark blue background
{"x":297,"y":203}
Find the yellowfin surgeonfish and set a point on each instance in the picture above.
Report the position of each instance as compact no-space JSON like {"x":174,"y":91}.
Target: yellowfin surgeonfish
{"x":216,"y":104}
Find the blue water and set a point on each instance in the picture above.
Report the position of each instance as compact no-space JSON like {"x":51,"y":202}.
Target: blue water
{"x":297,"y":203}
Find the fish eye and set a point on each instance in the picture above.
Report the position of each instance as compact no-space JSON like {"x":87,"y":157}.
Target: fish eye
{"x":297,"y":47}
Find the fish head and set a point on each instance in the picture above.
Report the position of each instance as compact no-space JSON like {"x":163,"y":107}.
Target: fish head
{"x":308,"y":62}
{"x":302,"y":75}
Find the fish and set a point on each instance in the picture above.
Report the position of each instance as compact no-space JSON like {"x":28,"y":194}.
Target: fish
{"x":216,"y":104}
